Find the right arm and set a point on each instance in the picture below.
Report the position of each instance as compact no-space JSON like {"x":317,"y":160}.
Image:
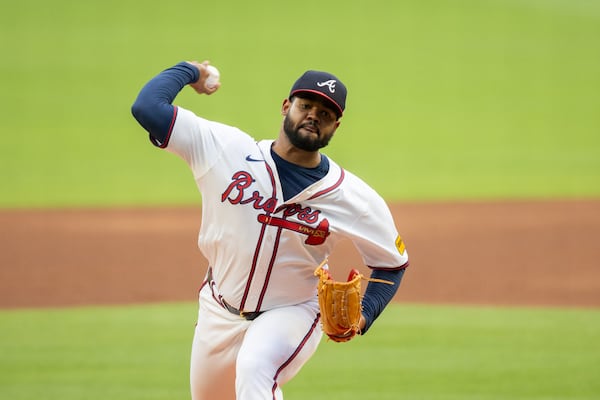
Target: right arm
{"x":153,"y":108}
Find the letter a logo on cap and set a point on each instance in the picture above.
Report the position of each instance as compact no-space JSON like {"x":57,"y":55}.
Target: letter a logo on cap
{"x":322,"y":84}
{"x":330,"y":84}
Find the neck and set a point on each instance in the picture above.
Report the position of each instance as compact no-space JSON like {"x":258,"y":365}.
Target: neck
{"x":290,"y":153}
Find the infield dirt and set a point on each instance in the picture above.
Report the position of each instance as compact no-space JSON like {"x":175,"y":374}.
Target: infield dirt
{"x":535,"y":253}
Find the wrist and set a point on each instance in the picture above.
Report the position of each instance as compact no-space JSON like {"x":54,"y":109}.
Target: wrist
{"x":362,"y":323}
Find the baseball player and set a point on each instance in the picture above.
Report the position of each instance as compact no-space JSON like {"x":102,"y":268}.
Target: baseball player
{"x":272,"y":211}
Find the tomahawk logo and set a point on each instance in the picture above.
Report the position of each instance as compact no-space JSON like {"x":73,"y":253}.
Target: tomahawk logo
{"x":315,"y":236}
{"x":330,"y":84}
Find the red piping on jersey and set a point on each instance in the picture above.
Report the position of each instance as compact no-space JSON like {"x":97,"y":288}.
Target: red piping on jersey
{"x":202,"y":286}
{"x":403,"y":266}
{"x":257,"y":250}
{"x":253,"y":268}
{"x":295,"y":353}
{"x":166,"y":142}
{"x":272,"y":179}
{"x":270,"y":269}
{"x":329,"y":189}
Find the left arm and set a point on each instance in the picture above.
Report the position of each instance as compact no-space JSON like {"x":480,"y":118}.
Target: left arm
{"x":375,"y":236}
{"x":378,"y":295}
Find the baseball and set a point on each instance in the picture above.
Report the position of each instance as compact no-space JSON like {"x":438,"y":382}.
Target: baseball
{"x":213,"y":76}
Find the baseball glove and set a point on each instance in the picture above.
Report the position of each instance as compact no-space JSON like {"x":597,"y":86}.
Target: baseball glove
{"x":340,"y":303}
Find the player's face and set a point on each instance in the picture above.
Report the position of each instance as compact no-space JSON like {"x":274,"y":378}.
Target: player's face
{"x":309,"y":123}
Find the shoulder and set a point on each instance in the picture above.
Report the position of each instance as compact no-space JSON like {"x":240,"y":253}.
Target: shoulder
{"x":358,"y":187}
{"x":351,"y":190}
{"x":188,"y":122}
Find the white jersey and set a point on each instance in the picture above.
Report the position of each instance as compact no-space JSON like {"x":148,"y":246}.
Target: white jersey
{"x":263,"y":250}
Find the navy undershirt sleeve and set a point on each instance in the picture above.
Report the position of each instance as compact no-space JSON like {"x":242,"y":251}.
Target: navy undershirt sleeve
{"x":378,"y":295}
{"x":153,"y":107}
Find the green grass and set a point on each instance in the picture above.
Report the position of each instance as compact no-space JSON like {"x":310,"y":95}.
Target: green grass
{"x":413,"y":352}
{"x":420,"y":352}
{"x":96,"y":353}
{"x":447,"y":99}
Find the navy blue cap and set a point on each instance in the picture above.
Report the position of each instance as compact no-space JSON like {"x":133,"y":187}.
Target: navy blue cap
{"x":323,"y":84}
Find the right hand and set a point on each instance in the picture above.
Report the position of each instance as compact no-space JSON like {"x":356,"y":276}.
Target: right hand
{"x":200,"y":85}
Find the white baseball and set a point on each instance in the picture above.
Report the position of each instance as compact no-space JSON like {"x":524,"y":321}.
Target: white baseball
{"x":213,"y":76}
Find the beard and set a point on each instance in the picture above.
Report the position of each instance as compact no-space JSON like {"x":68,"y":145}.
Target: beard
{"x":305,"y":143}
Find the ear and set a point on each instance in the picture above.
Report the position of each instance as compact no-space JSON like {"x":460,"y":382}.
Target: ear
{"x":285,"y":107}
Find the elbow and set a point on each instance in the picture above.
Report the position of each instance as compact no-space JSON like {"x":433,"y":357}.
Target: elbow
{"x":137,"y":110}
{"x":154,"y":117}
{"x":143,"y":112}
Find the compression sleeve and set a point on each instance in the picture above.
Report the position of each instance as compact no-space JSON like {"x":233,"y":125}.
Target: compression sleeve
{"x":153,"y":107}
{"x":378,"y":295}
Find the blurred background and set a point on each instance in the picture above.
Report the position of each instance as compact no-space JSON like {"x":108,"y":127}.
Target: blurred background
{"x":470,"y":99}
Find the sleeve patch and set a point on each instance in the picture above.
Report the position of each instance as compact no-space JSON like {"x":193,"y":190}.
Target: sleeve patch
{"x":400,"y":245}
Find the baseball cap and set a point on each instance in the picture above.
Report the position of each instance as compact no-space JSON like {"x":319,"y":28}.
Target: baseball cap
{"x":322,"y":84}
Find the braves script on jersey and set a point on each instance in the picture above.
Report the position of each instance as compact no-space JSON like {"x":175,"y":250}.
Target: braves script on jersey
{"x":261,"y":248}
